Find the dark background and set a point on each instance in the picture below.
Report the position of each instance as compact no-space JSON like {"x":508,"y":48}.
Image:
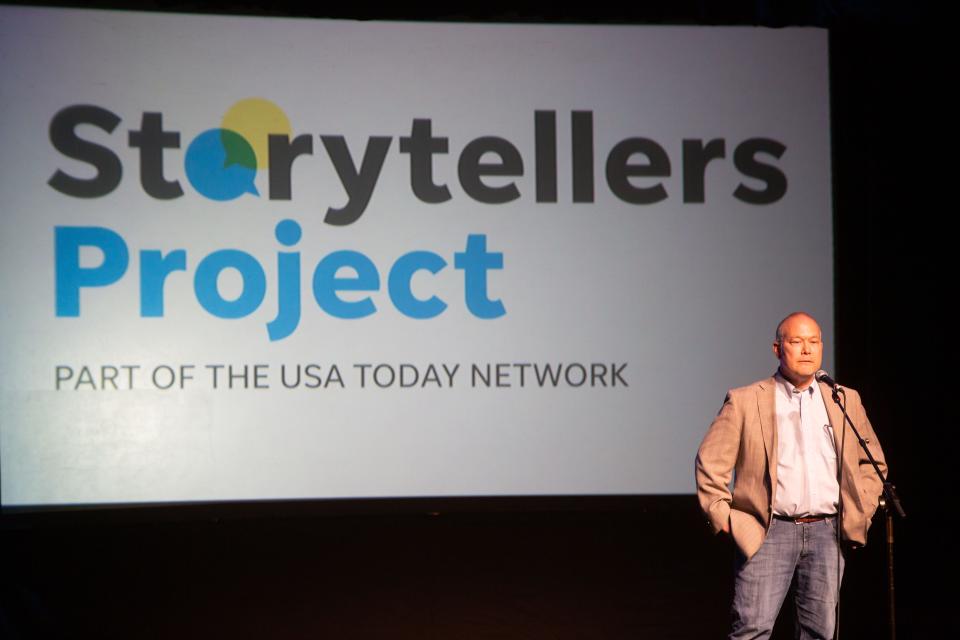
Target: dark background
{"x":605,"y":567}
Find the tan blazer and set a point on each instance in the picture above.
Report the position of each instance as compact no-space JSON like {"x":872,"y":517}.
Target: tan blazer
{"x":743,"y":439}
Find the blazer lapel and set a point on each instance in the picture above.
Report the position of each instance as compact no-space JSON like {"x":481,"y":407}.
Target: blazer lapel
{"x":766,"y":405}
{"x":849,"y":449}
{"x":834,"y":413}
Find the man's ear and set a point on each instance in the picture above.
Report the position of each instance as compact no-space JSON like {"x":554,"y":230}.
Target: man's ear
{"x":776,"y":349}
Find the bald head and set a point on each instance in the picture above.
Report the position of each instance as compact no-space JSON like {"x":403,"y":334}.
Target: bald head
{"x":796,"y":314}
{"x":799,"y":348}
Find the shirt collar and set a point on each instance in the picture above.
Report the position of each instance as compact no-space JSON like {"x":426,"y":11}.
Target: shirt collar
{"x":790,"y":390}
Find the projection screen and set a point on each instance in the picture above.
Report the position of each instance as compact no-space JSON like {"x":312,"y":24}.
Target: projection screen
{"x":258,"y":258}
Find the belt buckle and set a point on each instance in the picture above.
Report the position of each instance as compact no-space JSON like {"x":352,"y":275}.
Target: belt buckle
{"x":803,"y":519}
{"x":808,"y":519}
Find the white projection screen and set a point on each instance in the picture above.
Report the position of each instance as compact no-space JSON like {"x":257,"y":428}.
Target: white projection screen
{"x":257,"y":258}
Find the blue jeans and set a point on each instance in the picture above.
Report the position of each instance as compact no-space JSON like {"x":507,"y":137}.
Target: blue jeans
{"x":807,"y":551}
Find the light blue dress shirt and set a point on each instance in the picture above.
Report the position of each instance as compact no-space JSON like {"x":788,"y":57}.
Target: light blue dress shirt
{"x":806,"y":453}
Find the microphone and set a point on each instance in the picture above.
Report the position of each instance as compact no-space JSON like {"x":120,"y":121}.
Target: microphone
{"x":824,"y":377}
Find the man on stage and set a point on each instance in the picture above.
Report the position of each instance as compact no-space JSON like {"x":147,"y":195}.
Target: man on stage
{"x":782,"y":440}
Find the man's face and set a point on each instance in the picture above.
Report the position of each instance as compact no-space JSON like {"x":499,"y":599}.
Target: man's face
{"x":800,"y":350}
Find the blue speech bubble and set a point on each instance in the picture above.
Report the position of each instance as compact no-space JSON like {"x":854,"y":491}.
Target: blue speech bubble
{"x":221,"y":165}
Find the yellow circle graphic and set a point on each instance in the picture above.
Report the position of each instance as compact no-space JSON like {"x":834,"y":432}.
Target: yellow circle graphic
{"x":255,"y":119}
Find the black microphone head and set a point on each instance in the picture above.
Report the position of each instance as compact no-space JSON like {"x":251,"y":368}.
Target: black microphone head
{"x":824,"y":377}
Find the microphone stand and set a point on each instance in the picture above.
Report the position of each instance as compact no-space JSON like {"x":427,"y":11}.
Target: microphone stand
{"x":889,"y":498}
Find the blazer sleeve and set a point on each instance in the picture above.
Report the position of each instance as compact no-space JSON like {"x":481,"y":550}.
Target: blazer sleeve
{"x":868,"y":483}
{"x":715,"y":462}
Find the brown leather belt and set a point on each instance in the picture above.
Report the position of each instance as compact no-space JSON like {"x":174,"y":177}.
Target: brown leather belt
{"x":805,"y":519}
